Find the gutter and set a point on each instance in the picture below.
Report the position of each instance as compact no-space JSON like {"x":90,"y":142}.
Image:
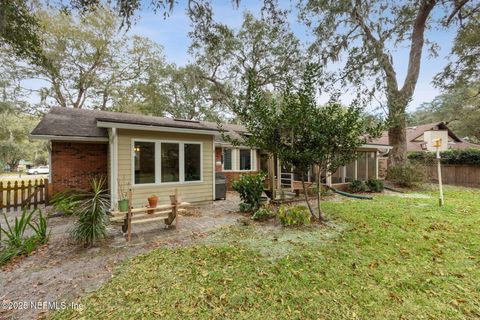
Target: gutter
{"x":143,"y":127}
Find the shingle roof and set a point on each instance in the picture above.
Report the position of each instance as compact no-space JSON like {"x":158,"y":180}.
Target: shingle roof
{"x":415,"y":132}
{"x":69,"y":122}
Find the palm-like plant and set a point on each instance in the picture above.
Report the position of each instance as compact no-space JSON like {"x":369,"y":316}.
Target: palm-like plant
{"x":91,"y":212}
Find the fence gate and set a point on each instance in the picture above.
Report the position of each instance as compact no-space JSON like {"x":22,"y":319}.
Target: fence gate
{"x":15,"y":195}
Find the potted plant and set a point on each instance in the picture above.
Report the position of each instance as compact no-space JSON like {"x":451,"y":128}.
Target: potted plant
{"x":123,"y":196}
{"x":152,"y":203}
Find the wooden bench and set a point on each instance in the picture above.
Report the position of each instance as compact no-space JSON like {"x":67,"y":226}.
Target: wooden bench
{"x":168,"y":213}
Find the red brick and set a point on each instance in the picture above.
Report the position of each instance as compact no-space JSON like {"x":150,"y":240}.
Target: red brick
{"x":75,"y":164}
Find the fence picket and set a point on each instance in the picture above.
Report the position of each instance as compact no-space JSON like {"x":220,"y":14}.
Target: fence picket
{"x":29,"y":190}
{"x":15,"y":195}
{"x":22,"y":194}
{"x":35,"y":194}
{"x":41,"y":187}
{"x":1,"y":196}
{"x":8,"y":196}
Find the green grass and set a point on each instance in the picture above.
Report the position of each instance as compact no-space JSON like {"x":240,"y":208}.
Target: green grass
{"x":390,"y":258}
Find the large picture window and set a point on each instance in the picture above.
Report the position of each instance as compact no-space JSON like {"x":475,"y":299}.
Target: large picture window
{"x":166,"y":162}
{"x":193,"y":162}
{"x":144,"y":162}
{"x":170,"y":160}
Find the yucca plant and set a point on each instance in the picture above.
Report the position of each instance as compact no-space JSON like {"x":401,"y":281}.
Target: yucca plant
{"x":15,"y":233}
{"x":17,"y":243}
{"x":40,"y":228}
{"x":92,"y":217}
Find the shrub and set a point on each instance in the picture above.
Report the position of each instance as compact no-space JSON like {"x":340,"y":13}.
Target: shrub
{"x":357,"y":186}
{"x":375,"y":185}
{"x":65,"y":202}
{"x":245,"y":207}
{"x":294,"y":215}
{"x":469,"y":156}
{"x":92,"y":217}
{"x":262,"y":214}
{"x":17,"y":243}
{"x":407,"y":175}
{"x":250,"y":188}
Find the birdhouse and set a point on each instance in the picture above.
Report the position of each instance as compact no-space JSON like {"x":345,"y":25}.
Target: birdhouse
{"x":434,"y":139}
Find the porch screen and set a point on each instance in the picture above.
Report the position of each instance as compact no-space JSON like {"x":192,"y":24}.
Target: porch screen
{"x":170,"y":160}
{"x":245,"y":159}
{"x":371,"y":162}
{"x":144,"y":162}
{"x":350,"y":172}
{"x":362,"y":166}
{"x":192,"y":162}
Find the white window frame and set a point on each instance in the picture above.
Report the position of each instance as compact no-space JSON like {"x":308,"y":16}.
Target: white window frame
{"x":236,"y":159}
{"x":158,"y":166}
{"x":233,"y":160}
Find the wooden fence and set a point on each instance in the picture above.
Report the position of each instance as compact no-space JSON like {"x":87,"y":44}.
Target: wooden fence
{"x":18,"y":194}
{"x":460,"y":175}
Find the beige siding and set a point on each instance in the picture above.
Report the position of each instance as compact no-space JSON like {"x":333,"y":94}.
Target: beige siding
{"x":190,"y":192}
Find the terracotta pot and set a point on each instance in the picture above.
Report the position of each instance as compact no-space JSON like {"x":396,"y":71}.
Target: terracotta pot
{"x":152,"y":202}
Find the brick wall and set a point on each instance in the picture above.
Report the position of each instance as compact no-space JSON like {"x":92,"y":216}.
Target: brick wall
{"x":74,"y":164}
{"x":218,"y":159}
{"x":230,"y":176}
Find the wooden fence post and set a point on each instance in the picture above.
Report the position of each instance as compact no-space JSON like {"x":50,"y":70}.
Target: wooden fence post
{"x":47,"y":198}
{"x":29,"y":191}
{"x":8,"y":196}
{"x":15,"y":195}
{"x":1,"y":196}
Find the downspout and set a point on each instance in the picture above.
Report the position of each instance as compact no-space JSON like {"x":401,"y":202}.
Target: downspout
{"x":214,"y":168}
{"x":49,"y":148}
{"x":113,"y":142}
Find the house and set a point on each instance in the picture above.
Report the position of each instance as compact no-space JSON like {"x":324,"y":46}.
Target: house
{"x":415,"y":137}
{"x":156,"y":155}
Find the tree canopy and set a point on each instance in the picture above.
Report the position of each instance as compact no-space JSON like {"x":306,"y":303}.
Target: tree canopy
{"x":301,"y":133}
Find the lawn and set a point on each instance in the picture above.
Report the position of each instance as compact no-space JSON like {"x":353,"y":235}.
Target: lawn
{"x":395,"y":257}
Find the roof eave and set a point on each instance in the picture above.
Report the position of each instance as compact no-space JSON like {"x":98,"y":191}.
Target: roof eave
{"x":67,"y":138}
{"x":144,"y":127}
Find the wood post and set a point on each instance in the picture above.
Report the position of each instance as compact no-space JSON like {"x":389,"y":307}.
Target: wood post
{"x":15,"y":195}
{"x":174,"y":212}
{"x":1,"y":196}
{"x":8,"y":195}
{"x":129,"y":216}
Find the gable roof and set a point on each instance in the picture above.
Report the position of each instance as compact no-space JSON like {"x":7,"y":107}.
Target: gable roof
{"x":417,"y":132}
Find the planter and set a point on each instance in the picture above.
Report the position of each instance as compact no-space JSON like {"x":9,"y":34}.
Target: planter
{"x":123,"y":205}
{"x":152,"y":203}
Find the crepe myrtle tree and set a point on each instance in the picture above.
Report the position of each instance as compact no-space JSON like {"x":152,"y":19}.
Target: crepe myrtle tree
{"x":301,"y":133}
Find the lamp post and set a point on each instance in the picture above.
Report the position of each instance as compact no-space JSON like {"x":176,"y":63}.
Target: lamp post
{"x":437,"y":143}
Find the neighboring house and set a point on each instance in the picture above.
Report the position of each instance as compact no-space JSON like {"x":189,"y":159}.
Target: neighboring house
{"x":415,"y":137}
{"x":156,"y":155}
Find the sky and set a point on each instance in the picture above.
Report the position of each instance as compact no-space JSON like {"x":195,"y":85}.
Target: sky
{"x":172,"y":34}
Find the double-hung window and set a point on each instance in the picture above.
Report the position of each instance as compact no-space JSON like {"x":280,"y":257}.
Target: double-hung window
{"x":235,"y":159}
{"x":157,"y":162}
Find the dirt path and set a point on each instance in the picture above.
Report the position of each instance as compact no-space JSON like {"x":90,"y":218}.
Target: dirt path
{"x":61,"y":272}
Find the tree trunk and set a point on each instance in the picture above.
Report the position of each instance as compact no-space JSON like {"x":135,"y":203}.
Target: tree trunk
{"x":319,"y":191}
{"x":397,"y":133}
{"x":306,"y":197}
